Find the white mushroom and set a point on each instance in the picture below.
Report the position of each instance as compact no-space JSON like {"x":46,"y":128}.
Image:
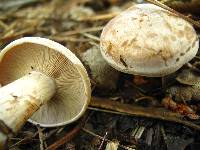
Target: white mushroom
{"x":40,"y":75}
{"x":101,"y":72}
{"x":149,"y":41}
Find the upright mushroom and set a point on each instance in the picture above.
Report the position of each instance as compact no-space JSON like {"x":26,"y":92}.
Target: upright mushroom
{"x":149,"y":41}
{"x":43,"y":80}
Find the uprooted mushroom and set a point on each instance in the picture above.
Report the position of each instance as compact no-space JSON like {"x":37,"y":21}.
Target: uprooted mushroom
{"x":43,"y":80}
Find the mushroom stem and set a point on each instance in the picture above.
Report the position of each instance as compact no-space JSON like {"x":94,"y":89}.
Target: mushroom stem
{"x":21,"y":98}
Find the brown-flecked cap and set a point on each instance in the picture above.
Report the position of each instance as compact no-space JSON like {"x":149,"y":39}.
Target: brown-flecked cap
{"x":54,"y":60}
{"x":149,"y":41}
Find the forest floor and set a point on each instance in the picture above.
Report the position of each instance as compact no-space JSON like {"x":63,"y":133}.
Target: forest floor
{"x":134,"y":115}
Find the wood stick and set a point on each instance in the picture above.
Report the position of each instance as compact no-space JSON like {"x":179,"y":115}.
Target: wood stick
{"x":65,"y":138}
{"x":155,"y":2}
{"x":149,"y":112}
{"x":71,"y":134}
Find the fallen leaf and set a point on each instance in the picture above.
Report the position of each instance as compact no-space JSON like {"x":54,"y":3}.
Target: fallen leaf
{"x":179,"y":108}
{"x":113,"y":145}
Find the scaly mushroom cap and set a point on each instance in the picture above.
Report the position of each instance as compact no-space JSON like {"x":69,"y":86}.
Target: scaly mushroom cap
{"x":148,"y":40}
{"x":50,"y":58}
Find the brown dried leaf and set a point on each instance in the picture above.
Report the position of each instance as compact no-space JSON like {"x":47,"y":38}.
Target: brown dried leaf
{"x":188,"y":77}
{"x":179,"y":108}
{"x":190,"y":89}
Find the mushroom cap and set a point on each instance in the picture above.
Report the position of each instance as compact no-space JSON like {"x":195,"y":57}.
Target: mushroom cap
{"x":149,"y":41}
{"x":52,"y":59}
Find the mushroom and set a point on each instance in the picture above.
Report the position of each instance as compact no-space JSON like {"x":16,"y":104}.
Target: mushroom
{"x":43,"y":80}
{"x":104,"y":76}
{"x":149,"y":41}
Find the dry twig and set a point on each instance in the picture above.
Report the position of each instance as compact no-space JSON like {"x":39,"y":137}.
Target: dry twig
{"x":100,"y":17}
{"x":25,"y":139}
{"x":103,"y":140}
{"x":150,"y":112}
{"x":100,"y":137}
{"x":41,"y":137}
{"x":70,"y":135}
{"x":155,"y":2}
{"x":66,"y":138}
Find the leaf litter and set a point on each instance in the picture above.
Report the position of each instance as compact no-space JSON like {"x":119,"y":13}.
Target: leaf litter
{"x":139,"y":113}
